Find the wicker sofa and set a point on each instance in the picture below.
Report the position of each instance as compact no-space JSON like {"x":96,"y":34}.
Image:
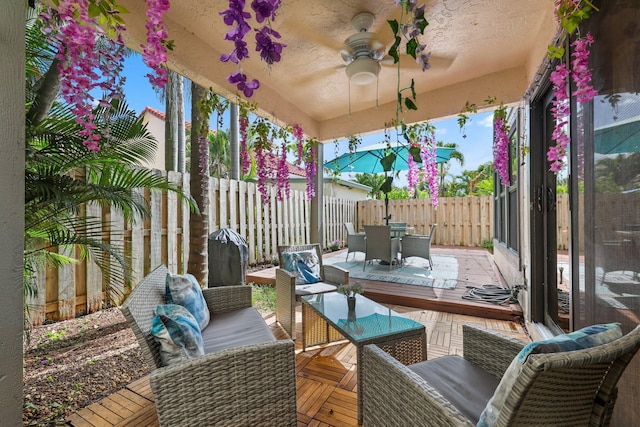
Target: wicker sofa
{"x":245,"y":378}
{"x":576,"y":388}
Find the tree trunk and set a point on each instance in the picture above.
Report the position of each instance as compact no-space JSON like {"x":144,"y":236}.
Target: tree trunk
{"x":170,"y":123}
{"x":46,"y":93}
{"x":181,"y":124}
{"x":199,"y":187}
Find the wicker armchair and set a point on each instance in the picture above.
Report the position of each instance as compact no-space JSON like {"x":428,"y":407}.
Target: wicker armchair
{"x":355,"y":241}
{"x":245,"y":385}
{"x":576,"y":388}
{"x":419,"y":246}
{"x":287,"y":292}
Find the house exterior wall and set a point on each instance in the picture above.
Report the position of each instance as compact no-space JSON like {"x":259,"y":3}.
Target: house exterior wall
{"x":335,"y":189}
{"x":12,"y":120}
{"x":155,"y":125}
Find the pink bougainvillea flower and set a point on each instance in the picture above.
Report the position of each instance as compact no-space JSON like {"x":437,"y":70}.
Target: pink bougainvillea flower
{"x":282,"y":174}
{"x":245,"y":161}
{"x":581,"y":73}
{"x":501,"y":150}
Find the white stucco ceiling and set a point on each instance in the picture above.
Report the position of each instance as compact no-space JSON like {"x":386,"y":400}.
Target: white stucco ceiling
{"x":480,"y":48}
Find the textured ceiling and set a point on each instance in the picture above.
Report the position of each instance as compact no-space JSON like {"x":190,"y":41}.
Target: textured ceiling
{"x":479,"y":49}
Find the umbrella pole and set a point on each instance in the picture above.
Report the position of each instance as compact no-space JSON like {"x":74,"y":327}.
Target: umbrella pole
{"x":386,"y":208}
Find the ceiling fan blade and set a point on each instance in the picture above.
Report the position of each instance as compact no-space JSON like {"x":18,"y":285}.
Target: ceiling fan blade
{"x":377,"y":45}
{"x":318,"y":75}
{"x":407,"y":61}
{"x":346,"y":56}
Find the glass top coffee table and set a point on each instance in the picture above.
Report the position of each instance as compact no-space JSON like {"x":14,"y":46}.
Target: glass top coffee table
{"x":327,"y":318}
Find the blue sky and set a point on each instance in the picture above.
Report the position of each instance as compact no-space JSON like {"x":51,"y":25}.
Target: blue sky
{"x":476,"y":147}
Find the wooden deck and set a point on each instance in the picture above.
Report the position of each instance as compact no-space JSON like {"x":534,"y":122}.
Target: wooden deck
{"x":475,"y":267}
{"x":325,"y":375}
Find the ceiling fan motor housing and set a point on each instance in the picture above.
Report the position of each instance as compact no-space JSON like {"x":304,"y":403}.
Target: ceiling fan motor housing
{"x":363,"y":60}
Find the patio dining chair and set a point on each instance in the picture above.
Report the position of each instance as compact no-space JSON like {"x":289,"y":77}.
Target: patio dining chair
{"x":501,"y":382}
{"x":355,"y":241}
{"x":380,"y":245}
{"x":290,"y":285}
{"x":418,"y":246}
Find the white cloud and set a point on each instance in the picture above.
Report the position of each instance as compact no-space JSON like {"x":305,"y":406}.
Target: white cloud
{"x":487,"y":122}
{"x":441,"y":131}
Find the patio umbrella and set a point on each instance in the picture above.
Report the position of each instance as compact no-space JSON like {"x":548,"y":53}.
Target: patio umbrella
{"x":617,"y":138}
{"x":367,"y":160}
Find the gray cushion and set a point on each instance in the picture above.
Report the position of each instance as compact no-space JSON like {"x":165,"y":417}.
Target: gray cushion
{"x":235,"y":328}
{"x":463,"y":384}
{"x":315,"y":288}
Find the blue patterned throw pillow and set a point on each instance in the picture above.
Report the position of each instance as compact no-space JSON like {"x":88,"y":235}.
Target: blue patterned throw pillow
{"x":588,"y":337}
{"x":304,"y":265}
{"x":177,"y":332}
{"x":184,"y":290}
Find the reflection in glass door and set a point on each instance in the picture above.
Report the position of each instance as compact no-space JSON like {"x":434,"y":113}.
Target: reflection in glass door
{"x":550,"y":274}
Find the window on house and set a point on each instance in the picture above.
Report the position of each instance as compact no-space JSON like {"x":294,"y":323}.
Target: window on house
{"x":506,"y":197}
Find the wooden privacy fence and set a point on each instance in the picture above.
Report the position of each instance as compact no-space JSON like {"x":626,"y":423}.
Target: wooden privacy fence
{"x":462,"y":221}
{"x":164,"y":239}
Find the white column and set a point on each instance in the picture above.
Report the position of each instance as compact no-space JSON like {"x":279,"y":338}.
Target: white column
{"x":12,"y":120}
{"x":317,"y":218}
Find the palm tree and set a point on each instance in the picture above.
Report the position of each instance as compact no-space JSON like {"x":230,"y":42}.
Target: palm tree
{"x":374,"y":181}
{"x":199,"y":185}
{"x":443,"y":168}
{"x":62,"y":176}
{"x":219,"y":153}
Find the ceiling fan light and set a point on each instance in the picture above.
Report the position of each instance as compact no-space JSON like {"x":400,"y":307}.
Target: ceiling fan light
{"x":363,"y":71}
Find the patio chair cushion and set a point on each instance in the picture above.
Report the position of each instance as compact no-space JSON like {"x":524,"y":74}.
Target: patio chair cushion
{"x":184,"y":290}
{"x":588,"y":337}
{"x":315,"y":288}
{"x":236,"y":328}
{"x":304,"y":265}
{"x":177,"y":332}
{"x":463,"y":384}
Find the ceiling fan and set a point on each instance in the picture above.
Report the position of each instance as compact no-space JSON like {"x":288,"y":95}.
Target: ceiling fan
{"x":363,"y":54}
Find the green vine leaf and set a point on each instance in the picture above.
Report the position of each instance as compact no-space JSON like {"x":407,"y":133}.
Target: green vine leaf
{"x":412,"y":45}
{"x":393,"y":50}
{"x":386,"y":186}
{"x":422,"y":25}
{"x":413,"y":89}
{"x":410,"y":104}
{"x":395,"y":27}
{"x":388,"y":161}
{"x":415,"y":153}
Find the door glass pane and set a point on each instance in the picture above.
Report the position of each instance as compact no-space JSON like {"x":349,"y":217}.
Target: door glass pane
{"x":610,"y":290}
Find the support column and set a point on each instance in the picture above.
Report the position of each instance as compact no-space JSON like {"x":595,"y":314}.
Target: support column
{"x":234,"y":141}
{"x":12,"y":145}
{"x":316,"y":222}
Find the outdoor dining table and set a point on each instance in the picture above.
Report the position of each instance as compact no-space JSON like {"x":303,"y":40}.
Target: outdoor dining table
{"x":327,"y":318}
{"x":399,"y":231}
